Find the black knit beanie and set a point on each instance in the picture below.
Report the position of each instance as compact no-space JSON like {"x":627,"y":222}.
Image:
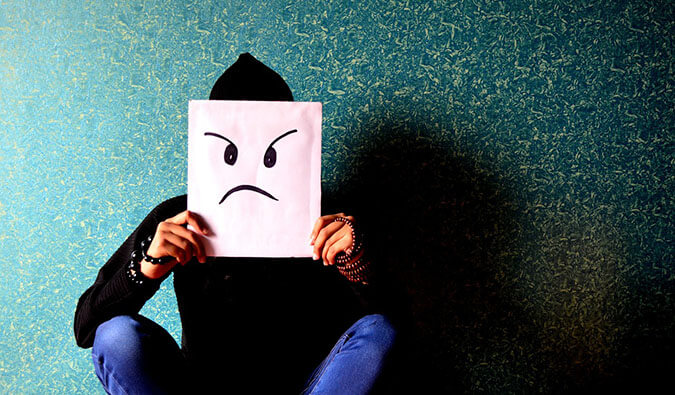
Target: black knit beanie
{"x":249,"y":79}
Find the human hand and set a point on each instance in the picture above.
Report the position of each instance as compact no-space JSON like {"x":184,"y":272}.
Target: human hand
{"x":173,"y":239}
{"x":330,"y":238}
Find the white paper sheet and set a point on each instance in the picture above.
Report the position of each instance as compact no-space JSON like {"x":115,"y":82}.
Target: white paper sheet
{"x":254,"y":175}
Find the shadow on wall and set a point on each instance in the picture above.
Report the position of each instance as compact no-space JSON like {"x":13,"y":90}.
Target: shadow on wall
{"x":440,"y":224}
{"x":449,"y":235}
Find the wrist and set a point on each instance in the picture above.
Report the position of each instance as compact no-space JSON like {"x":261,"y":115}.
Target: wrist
{"x":145,"y":247}
{"x":152,"y":268}
{"x":136,"y":274}
{"x":149,"y":270}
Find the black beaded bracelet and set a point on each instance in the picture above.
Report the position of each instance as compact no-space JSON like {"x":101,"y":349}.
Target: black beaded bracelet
{"x":134,"y":269}
{"x":145,"y":244}
{"x":343,"y":258}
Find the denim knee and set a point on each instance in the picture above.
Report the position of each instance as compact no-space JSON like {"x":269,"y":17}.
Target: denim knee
{"x":133,"y":352}
{"x":377,"y":332}
{"x":119,"y":336}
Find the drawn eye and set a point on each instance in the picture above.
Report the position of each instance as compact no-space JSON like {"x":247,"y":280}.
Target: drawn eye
{"x":270,"y":157}
{"x":230,"y":155}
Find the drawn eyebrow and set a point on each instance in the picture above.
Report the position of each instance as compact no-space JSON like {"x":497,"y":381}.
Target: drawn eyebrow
{"x":282,"y":136}
{"x":222,"y":137}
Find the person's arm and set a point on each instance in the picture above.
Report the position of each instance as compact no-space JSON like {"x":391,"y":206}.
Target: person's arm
{"x":337,"y":233}
{"x":114,"y":292}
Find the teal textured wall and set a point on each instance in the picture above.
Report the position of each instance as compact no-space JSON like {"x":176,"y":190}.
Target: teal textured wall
{"x":519,"y":155}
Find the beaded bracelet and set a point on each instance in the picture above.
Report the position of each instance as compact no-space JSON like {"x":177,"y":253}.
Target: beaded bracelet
{"x":134,"y":269}
{"x":145,"y":244}
{"x":342,"y":258}
{"x":357,"y":271}
{"x":351,"y":263}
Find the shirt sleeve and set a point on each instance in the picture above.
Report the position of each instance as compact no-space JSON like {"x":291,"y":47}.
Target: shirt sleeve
{"x":113,"y":293}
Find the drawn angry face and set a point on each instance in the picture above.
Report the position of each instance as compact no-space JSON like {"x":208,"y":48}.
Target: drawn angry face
{"x":254,"y":175}
{"x":230,"y":157}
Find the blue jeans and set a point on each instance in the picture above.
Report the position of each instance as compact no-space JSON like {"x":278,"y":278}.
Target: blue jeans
{"x":133,"y":354}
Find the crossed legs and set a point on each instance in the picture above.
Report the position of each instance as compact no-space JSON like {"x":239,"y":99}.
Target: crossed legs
{"x":133,"y":354}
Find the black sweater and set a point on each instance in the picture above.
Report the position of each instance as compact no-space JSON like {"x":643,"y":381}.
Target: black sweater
{"x":242,"y":319}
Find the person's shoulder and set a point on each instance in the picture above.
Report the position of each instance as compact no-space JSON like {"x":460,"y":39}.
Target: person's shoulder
{"x":170,"y":207}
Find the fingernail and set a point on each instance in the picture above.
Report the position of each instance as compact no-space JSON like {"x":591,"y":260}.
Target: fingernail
{"x":315,"y":256}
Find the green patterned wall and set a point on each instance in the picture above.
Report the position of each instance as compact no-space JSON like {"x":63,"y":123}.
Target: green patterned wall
{"x":513,"y":158}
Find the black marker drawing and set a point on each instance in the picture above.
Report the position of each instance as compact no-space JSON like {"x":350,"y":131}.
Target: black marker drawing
{"x":247,"y":188}
{"x":270,"y":158}
{"x":231,"y":151}
{"x":230,"y":157}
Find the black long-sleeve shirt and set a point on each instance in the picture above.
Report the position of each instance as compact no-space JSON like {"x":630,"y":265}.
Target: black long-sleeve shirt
{"x":242,"y":319}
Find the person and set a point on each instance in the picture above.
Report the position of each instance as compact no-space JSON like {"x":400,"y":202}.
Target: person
{"x":248,"y":324}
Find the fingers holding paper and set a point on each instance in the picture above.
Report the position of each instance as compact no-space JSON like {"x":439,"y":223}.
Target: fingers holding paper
{"x":173,"y":239}
{"x":330,"y":237}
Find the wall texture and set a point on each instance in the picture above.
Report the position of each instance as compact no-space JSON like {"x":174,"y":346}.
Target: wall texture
{"x":514,"y":159}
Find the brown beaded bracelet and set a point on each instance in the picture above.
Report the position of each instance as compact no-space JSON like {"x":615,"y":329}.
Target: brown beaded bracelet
{"x":351,"y":263}
{"x":357,"y":271}
{"x":345,"y":257}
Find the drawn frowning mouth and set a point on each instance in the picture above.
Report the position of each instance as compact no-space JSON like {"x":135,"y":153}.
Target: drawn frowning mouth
{"x":247,"y":188}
